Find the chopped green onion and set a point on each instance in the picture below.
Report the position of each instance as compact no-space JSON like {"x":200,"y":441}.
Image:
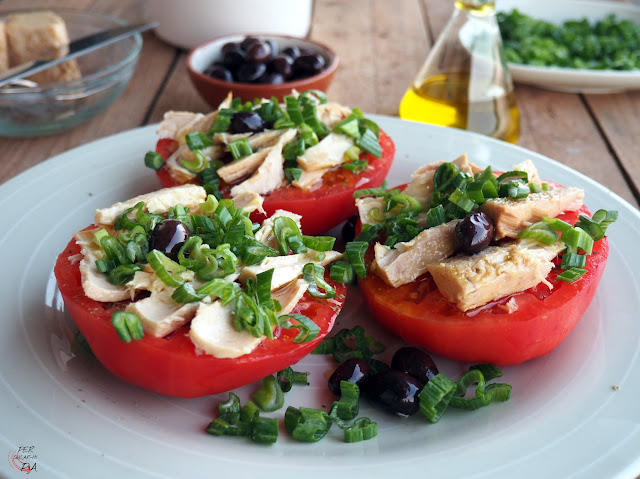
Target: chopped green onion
{"x":571,"y":275}
{"x":264,"y":430}
{"x":319,"y":243}
{"x":186,"y":293}
{"x":269,"y":397}
{"x":545,"y":186}
{"x":342,"y":272}
{"x":222,"y":121}
{"x":288,"y":235}
{"x":436,"y":216}
{"x":313,"y":274}
{"x":489,"y":371}
{"x":292,"y":174}
{"x":312,"y":96}
{"x":573,"y":260}
{"x":349,"y":127}
{"x":347,"y":407}
{"x":288,"y":377}
{"x":123,"y":273}
{"x":153,"y":160}
{"x":361,"y":430}
{"x":369,"y":143}
{"x":127,"y":325}
{"x":513,"y":189}
{"x":435,"y":397}
{"x":240,"y":148}
{"x":249,"y":412}
{"x":557,"y":224}
{"x":308,"y":330}
{"x":165,"y":268}
{"x":379,"y":191}
{"x":605,"y":217}
{"x":592,"y":228}
{"x":293,"y":150}
{"x":307,"y":135}
{"x":293,"y":109}
{"x":197,"y":140}
{"x":461,"y":200}
{"x":356,"y":166}
{"x":578,"y":238}
{"x":540,"y":232}
{"x":444,"y":176}
{"x":509,"y":176}
{"x":354,"y":252}
{"x":305,"y":424}
{"x":199,"y":163}
{"x":350,"y":343}
{"x":352,"y":153}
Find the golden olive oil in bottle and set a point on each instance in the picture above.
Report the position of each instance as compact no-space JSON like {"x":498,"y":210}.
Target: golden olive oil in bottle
{"x":465,"y":82}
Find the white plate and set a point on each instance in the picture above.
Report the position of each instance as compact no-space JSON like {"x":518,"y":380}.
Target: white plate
{"x":576,"y":80}
{"x":564,"y":418}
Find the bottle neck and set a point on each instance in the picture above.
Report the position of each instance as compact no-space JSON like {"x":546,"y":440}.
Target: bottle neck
{"x":480,"y":8}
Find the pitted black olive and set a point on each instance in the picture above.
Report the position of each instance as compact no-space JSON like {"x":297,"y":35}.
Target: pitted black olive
{"x":395,"y":391}
{"x":168,"y":237}
{"x":246,"y":122}
{"x":474,"y":233}
{"x":415,"y":362}
{"x":352,"y":370}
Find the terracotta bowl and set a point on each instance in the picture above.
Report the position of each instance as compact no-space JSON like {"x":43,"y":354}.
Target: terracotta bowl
{"x":213,"y":91}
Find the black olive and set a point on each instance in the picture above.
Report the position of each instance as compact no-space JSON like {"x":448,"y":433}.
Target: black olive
{"x":292,"y":52}
{"x":250,"y":72}
{"x":247,"y":42}
{"x":349,"y":229}
{"x":395,"y":391}
{"x":474,"y":233}
{"x":231,"y":47}
{"x":246,"y":122}
{"x":168,"y":237}
{"x":282,"y":64}
{"x":219,"y":72}
{"x":308,"y":65}
{"x":271,"y":78}
{"x":233,"y":60}
{"x":352,"y":370}
{"x":259,"y":52}
{"x":415,"y":362}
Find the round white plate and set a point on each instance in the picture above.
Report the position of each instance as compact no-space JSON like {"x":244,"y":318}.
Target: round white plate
{"x":564,"y":419}
{"x":575,"y":80}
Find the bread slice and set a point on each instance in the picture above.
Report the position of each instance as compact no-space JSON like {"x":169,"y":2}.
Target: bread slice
{"x":40,"y":35}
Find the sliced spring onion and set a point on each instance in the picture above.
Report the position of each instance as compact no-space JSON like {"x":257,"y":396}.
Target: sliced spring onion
{"x":571,"y":275}
{"x":255,"y":251}
{"x":305,"y":424}
{"x":240,"y":148}
{"x":578,"y":238}
{"x":573,"y":260}
{"x":123,"y":273}
{"x":153,"y":160}
{"x":197,"y":140}
{"x":369,"y":143}
{"x":605,"y":217}
{"x":319,"y":243}
{"x":313,"y":274}
{"x":288,"y":377}
{"x":361,"y":430}
{"x":186,"y":293}
{"x":293,"y":149}
{"x":462,"y":200}
{"x":263,"y":288}
{"x":222,"y":121}
{"x":310,"y":117}
{"x":209,"y":206}
{"x":350,"y":343}
{"x":436,"y":216}
{"x":489,"y":371}
{"x":513,"y":189}
{"x":165,"y":268}
{"x":249,"y":411}
{"x":520,"y":176}
{"x":114,"y":249}
{"x":221,"y":289}
{"x":444,"y":176}
{"x":557,"y":224}
{"x":354,"y":252}
{"x":199,"y":163}
{"x":540,"y":232}
{"x":288,"y":236}
{"x":356,"y":166}
{"x":307,"y":134}
{"x":368,"y":233}
{"x":308,"y":330}
{"x":435,"y":397}
{"x":269,"y":397}
{"x":127,"y":325}
{"x":312,"y":97}
{"x":592,"y":228}
{"x":347,"y":407}
{"x":349,"y":126}
{"x":264,"y":430}
{"x":379,"y":191}
{"x":342,"y":272}
{"x":293,"y":109}
{"x":292,"y":174}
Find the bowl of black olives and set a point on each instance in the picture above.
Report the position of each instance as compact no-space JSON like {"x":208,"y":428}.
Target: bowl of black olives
{"x":260,"y":66}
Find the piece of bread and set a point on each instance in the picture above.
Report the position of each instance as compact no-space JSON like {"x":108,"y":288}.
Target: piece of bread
{"x":4,"y":50}
{"x":40,"y":35}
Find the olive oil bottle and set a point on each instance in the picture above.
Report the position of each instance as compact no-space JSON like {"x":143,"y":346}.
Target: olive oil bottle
{"x":465,"y":82}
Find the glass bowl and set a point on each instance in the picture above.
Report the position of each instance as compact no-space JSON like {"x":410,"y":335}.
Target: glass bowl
{"x":55,"y":107}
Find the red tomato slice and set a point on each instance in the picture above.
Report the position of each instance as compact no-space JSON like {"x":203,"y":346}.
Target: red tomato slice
{"x":335,"y":194}
{"x":171,"y":365}
{"x":419,"y":314}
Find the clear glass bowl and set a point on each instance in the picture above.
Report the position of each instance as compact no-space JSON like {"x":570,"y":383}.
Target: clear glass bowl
{"x":55,"y":107}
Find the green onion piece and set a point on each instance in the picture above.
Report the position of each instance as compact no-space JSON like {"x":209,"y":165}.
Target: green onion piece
{"x":269,"y":397}
{"x":114,"y":249}
{"x":283,"y":123}
{"x":127,"y":325}
{"x":308,"y":135}
{"x":489,"y":371}
{"x":197,"y":140}
{"x":461,"y":200}
{"x":349,"y":127}
{"x":540,"y":232}
{"x":379,"y":191}
{"x":444,"y":176}
{"x":312,"y":96}
{"x":186,"y":293}
{"x":240,"y":148}
{"x":513,"y":189}
{"x":308,"y":330}
{"x":313,"y":274}
{"x":535,"y":188}
{"x":310,"y":117}
{"x":232,"y":404}
{"x":293,"y":150}
{"x":199,"y":163}
{"x":153,"y":160}
{"x":98,"y":235}
{"x":571,"y":275}
{"x":436,"y":216}
{"x":366,"y":124}
{"x":221,"y":262}
{"x":368,"y":233}
{"x":356,"y":166}
{"x":264,"y":430}
{"x":165,"y":268}
{"x":473,"y":376}
{"x":222,"y":121}
{"x":342,"y":272}
{"x":305,"y":424}
{"x":347,"y":407}
{"x":578,"y":238}
{"x":319,"y":243}
{"x":249,"y":412}
{"x":435,"y":397}
{"x":254,"y":251}
{"x":293,"y":109}
{"x":573,"y":260}
{"x":361,"y":430}
{"x":352,"y":153}
{"x":369,"y":143}
{"x":545,"y":186}
{"x":288,"y":377}
{"x":123,"y":273}
{"x":251,"y":317}
{"x":592,"y":228}
{"x":263,"y":288}
{"x":288,"y":236}
{"x":292,"y":174}
{"x":557,"y":224}
{"x":354,"y":252}
{"x":605,"y":217}
{"x":350,"y":343}
{"x":221,"y":289}
{"x":209,"y":206}
{"x":509,"y":176}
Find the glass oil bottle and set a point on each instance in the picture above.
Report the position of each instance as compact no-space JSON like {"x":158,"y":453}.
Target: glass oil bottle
{"x":465,"y":82}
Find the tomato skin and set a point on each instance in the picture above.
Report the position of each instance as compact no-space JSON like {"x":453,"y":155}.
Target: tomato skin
{"x":171,"y":365}
{"x":419,"y":314}
{"x":335,"y":193}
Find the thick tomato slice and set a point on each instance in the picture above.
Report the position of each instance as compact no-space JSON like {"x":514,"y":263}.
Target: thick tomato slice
{"x":321,"y":209}
{"x":419,"y":314}
{"x":171,"y":365}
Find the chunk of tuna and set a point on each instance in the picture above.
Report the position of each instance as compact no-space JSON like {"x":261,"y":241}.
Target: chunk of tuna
{"x":157,"y":202}
{"x":407,"y":261}
{"x":287,"y":268}
{"x":331,"y":113}
{"x":510,"y":215}
{"x":265,"y":233}
{"x":175,"y":121}
{"x":289,"y":295}
{"x":174,"y":165}
{"x":309,"y":179}
{"x":239,"y":169}
{"x":530,"y":169}
{"x":496,"y":272}
{"x":329,"y":152}
{"x":268,"y":177}
{"x":249,"y":202}
{"x":160,"y":315}
{"x":366,"y":205}
{"x":212,"y":332}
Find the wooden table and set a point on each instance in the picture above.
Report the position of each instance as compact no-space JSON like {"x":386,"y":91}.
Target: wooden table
{"x":382,"y":44}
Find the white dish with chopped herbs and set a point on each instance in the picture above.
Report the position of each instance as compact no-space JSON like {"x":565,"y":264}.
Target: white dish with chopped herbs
{"x":80,"y":417}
